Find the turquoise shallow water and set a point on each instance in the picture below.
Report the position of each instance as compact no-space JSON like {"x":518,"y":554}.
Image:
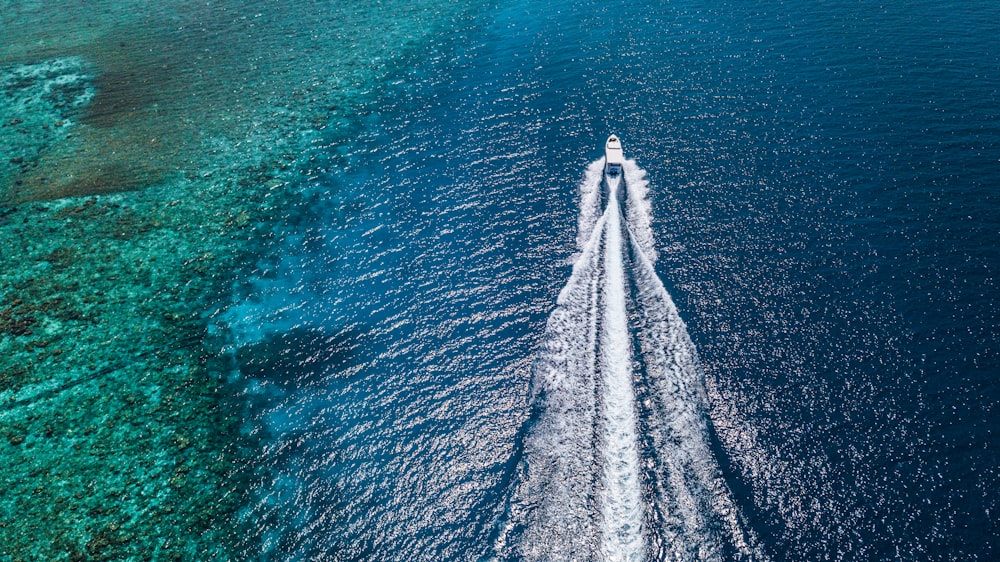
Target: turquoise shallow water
{"x":144,"y":150}
{"x":822,"y":182}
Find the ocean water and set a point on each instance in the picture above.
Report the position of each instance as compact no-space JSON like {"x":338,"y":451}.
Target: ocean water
{"x":442,"y":335}
{"x":822,"y":191}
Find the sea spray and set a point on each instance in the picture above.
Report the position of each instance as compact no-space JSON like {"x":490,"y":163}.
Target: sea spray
{"x":698,"y":517}
{"x":558,"y":521}
{"x":590,"y":202}
{"x":639,"y":209}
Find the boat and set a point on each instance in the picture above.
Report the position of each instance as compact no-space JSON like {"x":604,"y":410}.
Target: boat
{"x":614,"y":157}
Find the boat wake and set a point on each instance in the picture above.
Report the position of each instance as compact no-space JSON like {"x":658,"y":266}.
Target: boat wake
{"x":617,"y":463}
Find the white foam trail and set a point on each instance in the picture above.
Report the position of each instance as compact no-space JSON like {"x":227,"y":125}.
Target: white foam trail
{"x":581,"y":492}
{"x":621,"y":502}
{"x":590,"y":202}
{"x":639,"y":209}
{"x":698,"y":516}
{"x":553,"y":505}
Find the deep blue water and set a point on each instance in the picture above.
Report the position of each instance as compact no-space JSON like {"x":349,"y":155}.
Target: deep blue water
{"x":824,"y":184}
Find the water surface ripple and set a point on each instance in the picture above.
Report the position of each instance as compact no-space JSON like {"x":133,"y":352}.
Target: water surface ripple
{"x":823,"y":186}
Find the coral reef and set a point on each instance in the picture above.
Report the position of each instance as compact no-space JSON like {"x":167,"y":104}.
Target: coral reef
{"x":148,"y":155}
{"x":38,"y":104}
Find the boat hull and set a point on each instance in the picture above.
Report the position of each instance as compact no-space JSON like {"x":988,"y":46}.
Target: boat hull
{"x":614,"y":157}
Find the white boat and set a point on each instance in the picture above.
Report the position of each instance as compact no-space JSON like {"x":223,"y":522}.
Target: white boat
{"x":614,"y":157}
